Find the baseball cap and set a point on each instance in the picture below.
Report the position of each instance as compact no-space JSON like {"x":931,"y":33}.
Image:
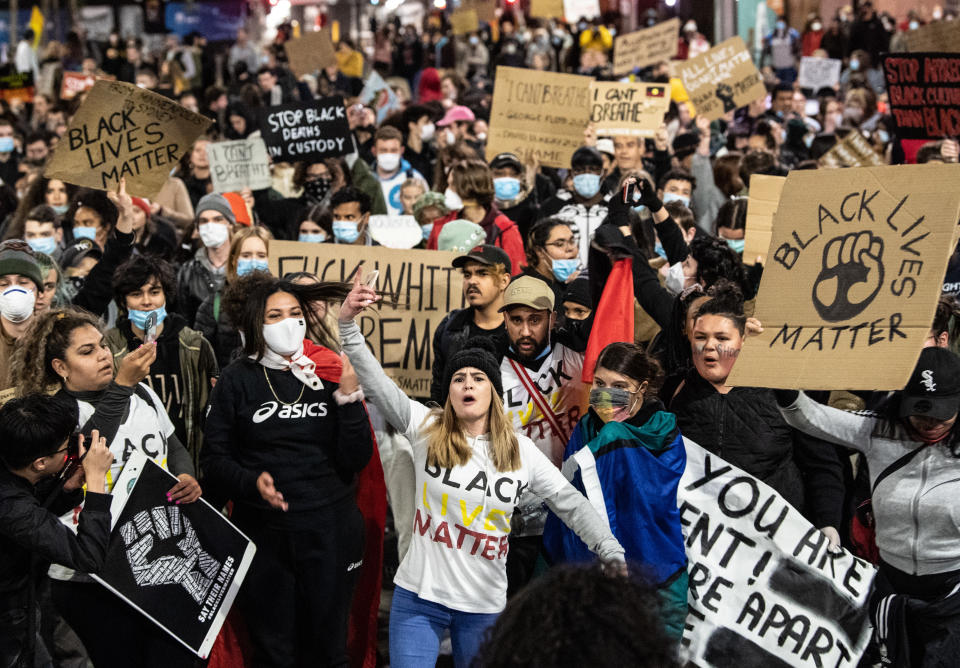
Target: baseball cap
{"x":78,"y":250}
{"x":485,"y":254}
{"x":528,"y":291}
{"x":507,"y":160}
{"x":934,"y":387}
{"x":605,"y":145}
{"x":454,"y":114}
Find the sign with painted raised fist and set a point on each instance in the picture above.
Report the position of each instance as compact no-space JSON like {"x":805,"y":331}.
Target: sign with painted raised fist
{"x":180,"y":565}
{"x":853,"y":274}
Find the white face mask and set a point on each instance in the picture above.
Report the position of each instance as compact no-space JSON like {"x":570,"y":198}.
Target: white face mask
{"x":452,"y":200}
{"x":676,"y":280}
{"x":16,"y":303}
{"x":285,"y":337}
{"x":388,"y":162}
{"x":449,"y":137}
{"x":213,"y":235}
{"x":427,"y":132}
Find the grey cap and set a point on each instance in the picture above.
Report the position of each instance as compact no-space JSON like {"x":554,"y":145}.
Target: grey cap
{"x":216,"y":202}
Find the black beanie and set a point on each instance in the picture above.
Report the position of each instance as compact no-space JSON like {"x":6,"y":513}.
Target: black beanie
{"x":480,"y":353}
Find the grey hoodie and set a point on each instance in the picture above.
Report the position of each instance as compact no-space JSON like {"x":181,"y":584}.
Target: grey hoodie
{"x":917,"y":508}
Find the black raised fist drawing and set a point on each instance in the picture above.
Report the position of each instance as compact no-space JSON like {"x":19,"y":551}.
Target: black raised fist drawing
{"x":181,"y":559}
{"x":851,"y":275}
{"x":725,"y":94}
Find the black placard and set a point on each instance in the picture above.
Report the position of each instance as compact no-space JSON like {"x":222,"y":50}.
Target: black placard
{"x":924,"y":94}
{"x":306,"y":130}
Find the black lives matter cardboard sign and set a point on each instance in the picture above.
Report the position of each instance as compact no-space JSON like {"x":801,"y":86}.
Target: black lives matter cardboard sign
{"x":722,"y":79}
{"x":852,"y":278}
{"x":924,"y":94}
{"x":422,"y":285}
{"x":180,"y":565}
{"x":121,"y":131}
{"x":306,"y":130}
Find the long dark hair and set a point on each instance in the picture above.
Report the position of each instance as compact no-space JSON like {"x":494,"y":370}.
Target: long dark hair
{"x":245,"y":303}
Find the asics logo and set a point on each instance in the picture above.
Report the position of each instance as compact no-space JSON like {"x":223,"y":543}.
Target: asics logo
{"x":288,"y":412}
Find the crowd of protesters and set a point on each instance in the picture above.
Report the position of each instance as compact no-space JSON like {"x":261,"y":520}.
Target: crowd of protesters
{"x":135,"y":321}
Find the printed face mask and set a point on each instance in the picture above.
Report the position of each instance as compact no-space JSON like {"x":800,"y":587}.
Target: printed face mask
{"x":586,"y":185}
{"x":506,"y":188}
{"x":317,"y":189}
{"x":285,"y":337}
{"x":676,"y":279}
{"x":346,"y":231}
{"x":139,"y":318}
{"x":16,"y":303}
{"x":43,"y":244}
{"x":674,"y":197}
{"x":564,"y":269}
{"x":610,"y":403}
{"x":213,"y":235}
{"x":246,"y":265}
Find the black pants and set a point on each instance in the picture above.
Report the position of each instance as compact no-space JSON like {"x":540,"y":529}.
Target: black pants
{"x":115,"y":634}
{"x":522,"y":561}
{"x":297,"y":595}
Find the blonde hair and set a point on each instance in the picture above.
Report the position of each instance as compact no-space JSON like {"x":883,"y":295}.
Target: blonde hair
{"x":236,"y":244}
{"x":447,"y":443}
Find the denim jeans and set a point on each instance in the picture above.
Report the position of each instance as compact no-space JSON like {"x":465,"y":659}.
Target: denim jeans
{"x":416,"y":628}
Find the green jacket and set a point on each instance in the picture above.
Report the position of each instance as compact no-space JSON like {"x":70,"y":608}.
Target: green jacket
{"x":198,"y":366}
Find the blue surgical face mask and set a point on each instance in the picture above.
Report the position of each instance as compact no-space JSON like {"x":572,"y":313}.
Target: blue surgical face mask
{"x":60,"y":209}
{"x":854,"y":64}
{"x":313,"y":237}
{"x":781,"y":25}
{"x":246,"y":265}
{"x":139,"y":318}
{"x":736,"y":245}
{"x":808,"y":140}
{"x":883,"y":136}
{"x":674,"y":197}
{"x":82,"y":232}
{"x":43,"y":245}
{"x":640,"y":208}
{"x":586,"y":185}
{"x":346,"y":231}
{"x":506,"y":188}
{"x":6,"y":144}
{"x":658,"y":249}
{"x":426,"y":229}
{"x":564,"y":269}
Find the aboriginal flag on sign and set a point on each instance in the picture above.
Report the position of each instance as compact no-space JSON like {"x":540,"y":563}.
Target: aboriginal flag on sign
{"x":656,"y":91}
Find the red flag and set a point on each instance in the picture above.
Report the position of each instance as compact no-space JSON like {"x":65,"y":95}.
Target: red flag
{"x":613,"y":317}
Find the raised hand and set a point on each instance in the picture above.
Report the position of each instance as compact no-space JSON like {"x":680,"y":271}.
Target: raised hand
{"x":124,"y":204}
{"x":360,"y":297}
{"x":135,"y":365}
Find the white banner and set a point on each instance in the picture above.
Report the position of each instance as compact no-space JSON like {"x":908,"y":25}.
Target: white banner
{"x":239,"y":164}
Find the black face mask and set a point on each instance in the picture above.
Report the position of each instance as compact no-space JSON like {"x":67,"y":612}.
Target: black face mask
{"x":317,"y":189}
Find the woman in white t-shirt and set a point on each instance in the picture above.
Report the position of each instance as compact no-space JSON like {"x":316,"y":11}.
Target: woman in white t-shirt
{"x":471,"y":467}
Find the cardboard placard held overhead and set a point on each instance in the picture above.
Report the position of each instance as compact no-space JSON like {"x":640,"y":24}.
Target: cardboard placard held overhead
{"x":722,"y":79}
{"x":124,"y":131}
{"x":853,"y":151}
{"x":924,"y":94}
{"x":939,"y":37}
{"x":539,"y":114}
{"x":239,"y":164}
{"x":546,"y":9}
{"x":574,"y":10}
{"x":852,"y":279}
{"x":464,"y":22}
{"x":486,"y":9}
{"x":627,"y":108}
{"x":310,"y":52}
{"x":761,"y":206}
{"x":817,"y":73}
{"x":423,"y":284}
{"x":646,"y":47}
{"x":306,"y":130}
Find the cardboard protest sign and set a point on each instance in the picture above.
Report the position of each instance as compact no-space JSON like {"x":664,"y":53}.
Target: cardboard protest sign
{"x":17,"y":87}
{"x":853,"y":151}
{"x":763,"y":586}
{"x":306,"y":130}
{"x":121,"y":131}
{"x":939,"y":37}
{"x":924,"y":94}
{"x":722,"y":79}
{"x":762,"y":204}
{"x":852,"y":278}
{"x":179,"y":565}
{"x":546,"y":9}
{"x":235,"y":165}
{"x":464,"y":22}
{"x":628,"y":108}
{"x":486,"y":9}
{"x":574,"y":10}
{"x":423,"y":284}
{"x":646,"y":47}
{"x":538,"y":114}
{"x":75,"y":83}
{"x":310,"y":52}
{"x":817,"y":73}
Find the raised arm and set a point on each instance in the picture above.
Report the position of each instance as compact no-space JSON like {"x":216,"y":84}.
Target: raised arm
{"x":830,"y":424}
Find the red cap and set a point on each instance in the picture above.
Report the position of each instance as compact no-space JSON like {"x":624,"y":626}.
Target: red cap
{"x":239,"y":208}
{"x":143,"y":204}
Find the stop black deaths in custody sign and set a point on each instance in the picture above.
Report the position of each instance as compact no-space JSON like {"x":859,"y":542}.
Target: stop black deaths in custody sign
{"x":306,"y":130}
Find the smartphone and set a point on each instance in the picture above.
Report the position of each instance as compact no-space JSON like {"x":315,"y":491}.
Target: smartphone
{"x":150,"y":328}
{"x":631,"y":193}
{"x":73,"y":456}
{"x":371,"y":281}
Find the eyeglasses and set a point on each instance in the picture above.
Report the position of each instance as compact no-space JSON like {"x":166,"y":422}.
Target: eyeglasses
{"x":561,"y":244}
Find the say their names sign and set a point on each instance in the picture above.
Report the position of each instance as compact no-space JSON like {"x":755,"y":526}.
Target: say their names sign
{"x":235,"y":165}
{"x":646,"y":47}
{"x":306,"y":130}
{"x":627,"y":108}
{"x":538,"y":114}
{"x":722,"y":79}
{"x":924,"y":94}
{"x":853,"y":274}
{"x":422,"y":285}
{"x":121,"y":131}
